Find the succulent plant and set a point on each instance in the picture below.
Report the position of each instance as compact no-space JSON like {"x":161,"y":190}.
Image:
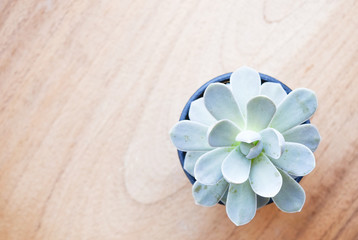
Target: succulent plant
{"x":245,"y":143}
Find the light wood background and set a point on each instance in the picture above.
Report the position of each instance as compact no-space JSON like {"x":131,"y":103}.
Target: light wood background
{"x":89,"y":90}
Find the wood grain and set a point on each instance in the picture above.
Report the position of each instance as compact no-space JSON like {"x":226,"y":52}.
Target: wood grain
{"x":89,"y":90}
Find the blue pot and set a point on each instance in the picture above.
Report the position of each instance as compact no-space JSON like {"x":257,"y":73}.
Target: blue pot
{"x":199,"y":93}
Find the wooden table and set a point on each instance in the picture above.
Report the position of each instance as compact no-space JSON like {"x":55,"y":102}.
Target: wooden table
{"x":90,"y":89}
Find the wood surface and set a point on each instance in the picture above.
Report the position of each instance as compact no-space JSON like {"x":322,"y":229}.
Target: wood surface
{"x":90,"y":89}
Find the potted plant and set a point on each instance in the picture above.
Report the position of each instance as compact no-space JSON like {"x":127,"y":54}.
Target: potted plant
{"x":245,"y":139}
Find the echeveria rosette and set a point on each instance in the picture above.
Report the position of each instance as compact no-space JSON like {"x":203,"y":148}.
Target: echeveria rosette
{"x":244,"y":142}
